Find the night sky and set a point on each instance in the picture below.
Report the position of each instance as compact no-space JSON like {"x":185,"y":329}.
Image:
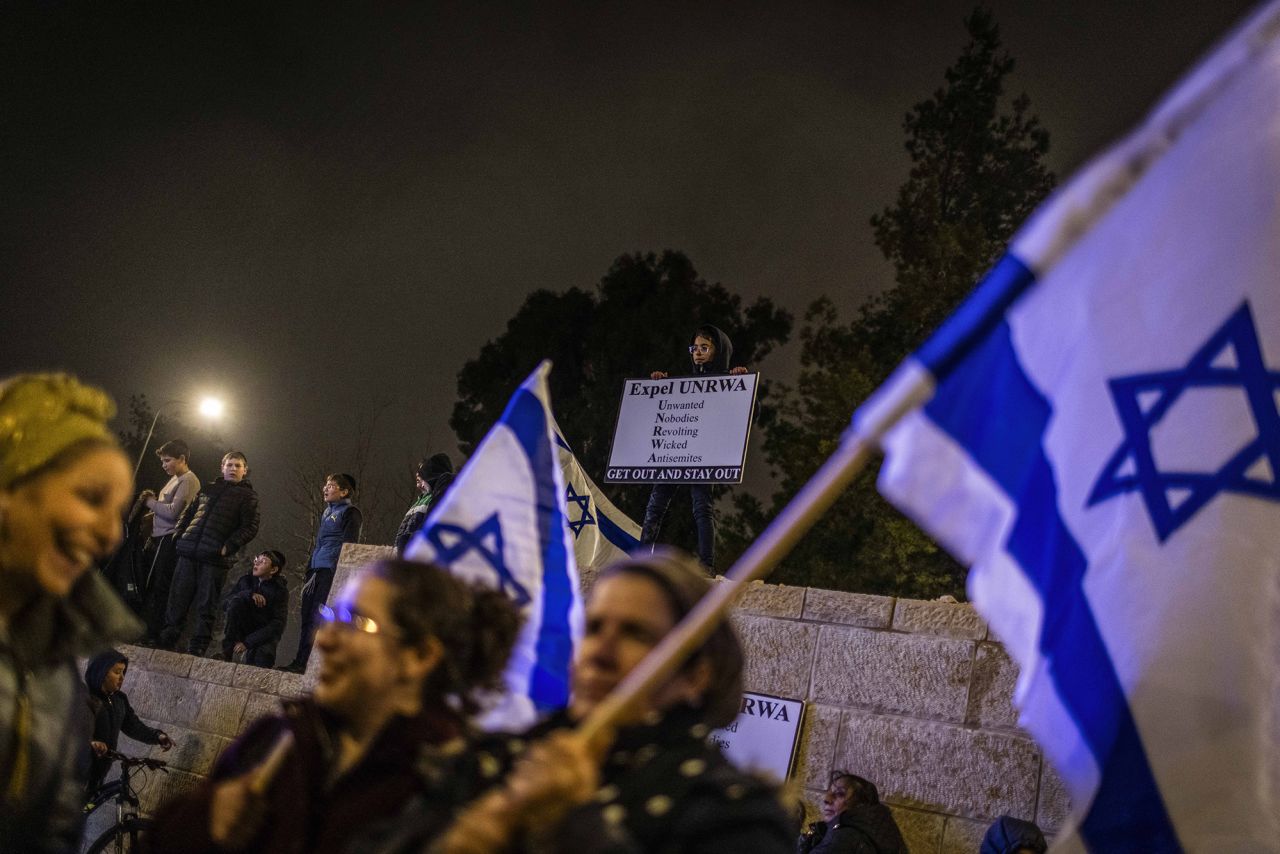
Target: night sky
{"x":309,"y":210}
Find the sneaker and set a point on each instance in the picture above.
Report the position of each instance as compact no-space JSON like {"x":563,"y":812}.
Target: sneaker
{"x":293,"y":667}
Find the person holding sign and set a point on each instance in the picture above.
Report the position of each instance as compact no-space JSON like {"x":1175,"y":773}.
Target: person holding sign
{"x":711,"y":351}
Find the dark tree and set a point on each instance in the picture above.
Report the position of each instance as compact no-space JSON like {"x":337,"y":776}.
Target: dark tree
{"x":976,"y":173}
{"x":637,"y":320}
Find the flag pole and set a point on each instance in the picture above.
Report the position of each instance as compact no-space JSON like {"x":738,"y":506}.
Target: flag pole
{"x":906,"y":389}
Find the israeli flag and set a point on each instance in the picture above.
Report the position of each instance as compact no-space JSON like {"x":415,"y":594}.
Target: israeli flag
{"x":1101,"y":441}
{"x":602,"y":534}
{"x":502,"y":524}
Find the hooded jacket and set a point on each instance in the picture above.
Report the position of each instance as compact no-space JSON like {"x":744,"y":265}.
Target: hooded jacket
{"x":862,"y":829}
{"x":437,"y":471}
{"x":723,"y":355}
{"x":112,"y":714}
{"x":276,"y":591}
{"x":225,"y":513}
{"x":1009,"y":835}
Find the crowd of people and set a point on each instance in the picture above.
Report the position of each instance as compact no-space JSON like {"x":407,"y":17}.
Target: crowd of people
{"x":382,"y":756}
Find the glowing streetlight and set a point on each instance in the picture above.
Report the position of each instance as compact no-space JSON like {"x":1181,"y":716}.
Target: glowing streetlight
{"x":210,"y":407}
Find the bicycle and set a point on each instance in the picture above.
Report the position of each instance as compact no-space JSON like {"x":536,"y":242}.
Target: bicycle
{"x":130,"y":823}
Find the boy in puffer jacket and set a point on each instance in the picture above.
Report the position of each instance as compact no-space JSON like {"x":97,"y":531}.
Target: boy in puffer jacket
{"x":221,"y":520}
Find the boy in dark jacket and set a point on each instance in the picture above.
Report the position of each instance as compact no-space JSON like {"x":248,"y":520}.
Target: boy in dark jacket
{"x":340,"y":522}
{"x":256,"y":609}
{"x":711,"y":351}
{"x":218,"y":523}
{"x":112,"y":714}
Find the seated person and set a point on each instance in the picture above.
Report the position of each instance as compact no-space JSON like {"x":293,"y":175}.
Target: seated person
{"x":853,"y":821}
{"x":256,"y":609}
{"x":112,"y":714}
{"x":1009,"y":835}
{"x":662,"y":785}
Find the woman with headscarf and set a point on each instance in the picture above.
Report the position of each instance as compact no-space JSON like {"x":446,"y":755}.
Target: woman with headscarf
{"x":64,"y":486}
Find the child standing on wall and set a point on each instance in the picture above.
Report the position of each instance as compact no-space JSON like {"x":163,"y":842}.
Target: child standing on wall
{"x":711,"y":350}
{"x":340,"y":522}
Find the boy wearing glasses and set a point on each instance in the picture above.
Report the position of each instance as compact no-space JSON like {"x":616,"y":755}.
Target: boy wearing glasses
{"x":340,"y":522}
{"x":256,"y":608}
{"x":710,"y":349}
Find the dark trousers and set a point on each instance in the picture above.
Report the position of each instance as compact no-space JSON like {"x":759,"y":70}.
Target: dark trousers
{"x":194,"y":583}
{"x":158,"y":559}
{"x":704,"y":519}
{"x":243,"y":619}
{"x":315,"y":592}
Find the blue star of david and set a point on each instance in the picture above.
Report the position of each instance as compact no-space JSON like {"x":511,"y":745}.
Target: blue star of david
{"x":1252,"y":470}
{"x":584,"y":505}
{"x":463,"y":541}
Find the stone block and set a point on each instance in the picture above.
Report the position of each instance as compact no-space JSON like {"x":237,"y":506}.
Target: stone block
{"x":221,"y":711}
{"x":779,"y":655}
{"x":887,"y":671}
{"x":261,"y":679}
{"x":159,"y":788}
{"x":193,"y":751}
{"x":209,"y":670}
{"x":817,"y":746}
{"x":848,"y":609}
{"x":962,"y":835}
{"x":939,"y":767}
{"x":166,"y":699}
{"x":922,"y":831}
{"x":173,"y":663}
{"x":291,"y":685}
{"x":770,"y":600}
{"x":258,"y":706}
{"x":1054,"y":806}
{"x":943,"y":619}
{"x":139,"y":656}
{"x":991,"y":688}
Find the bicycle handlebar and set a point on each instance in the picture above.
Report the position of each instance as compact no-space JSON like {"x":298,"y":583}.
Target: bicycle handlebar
{"x":136,"y":761}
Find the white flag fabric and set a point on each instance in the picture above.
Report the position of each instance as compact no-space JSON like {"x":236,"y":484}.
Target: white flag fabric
{"x":602,"y":534}
{"x":502,"y":524}
{"x":1102,"y":445}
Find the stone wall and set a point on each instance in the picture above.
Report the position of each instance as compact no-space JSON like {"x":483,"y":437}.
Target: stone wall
{"x":915,"y":696}
{"x":912,"y":695}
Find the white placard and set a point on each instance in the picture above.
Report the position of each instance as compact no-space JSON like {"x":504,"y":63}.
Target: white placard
{"x":764,"y":735}
{"x":683,"y":429}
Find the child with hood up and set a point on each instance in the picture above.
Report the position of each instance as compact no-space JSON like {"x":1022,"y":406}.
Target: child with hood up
{"x":112,"y":714}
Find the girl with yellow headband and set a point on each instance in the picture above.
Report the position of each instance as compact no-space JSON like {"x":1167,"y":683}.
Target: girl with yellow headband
{"x":64,"y":485}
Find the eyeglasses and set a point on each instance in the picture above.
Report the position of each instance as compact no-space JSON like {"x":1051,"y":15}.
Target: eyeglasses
{"x":348,"y":619}
{"x":699,"y":348}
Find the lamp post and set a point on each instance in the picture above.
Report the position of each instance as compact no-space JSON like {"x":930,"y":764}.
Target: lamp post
{"x":210,"y":407}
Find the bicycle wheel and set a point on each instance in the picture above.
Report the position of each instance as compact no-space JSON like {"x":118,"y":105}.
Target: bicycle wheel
{"x":122,"y":838}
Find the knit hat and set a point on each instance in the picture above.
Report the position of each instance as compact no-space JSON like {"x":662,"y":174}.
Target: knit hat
{"x":41,"y":415}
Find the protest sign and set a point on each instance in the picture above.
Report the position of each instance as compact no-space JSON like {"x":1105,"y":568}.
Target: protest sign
{"x":683,"y":429}
{"x":764,"y":735}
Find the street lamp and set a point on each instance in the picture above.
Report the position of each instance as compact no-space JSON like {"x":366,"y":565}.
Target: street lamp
{"x":210,"y":407}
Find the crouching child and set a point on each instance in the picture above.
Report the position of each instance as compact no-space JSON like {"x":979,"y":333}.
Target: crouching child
{"x":256,"y":610}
